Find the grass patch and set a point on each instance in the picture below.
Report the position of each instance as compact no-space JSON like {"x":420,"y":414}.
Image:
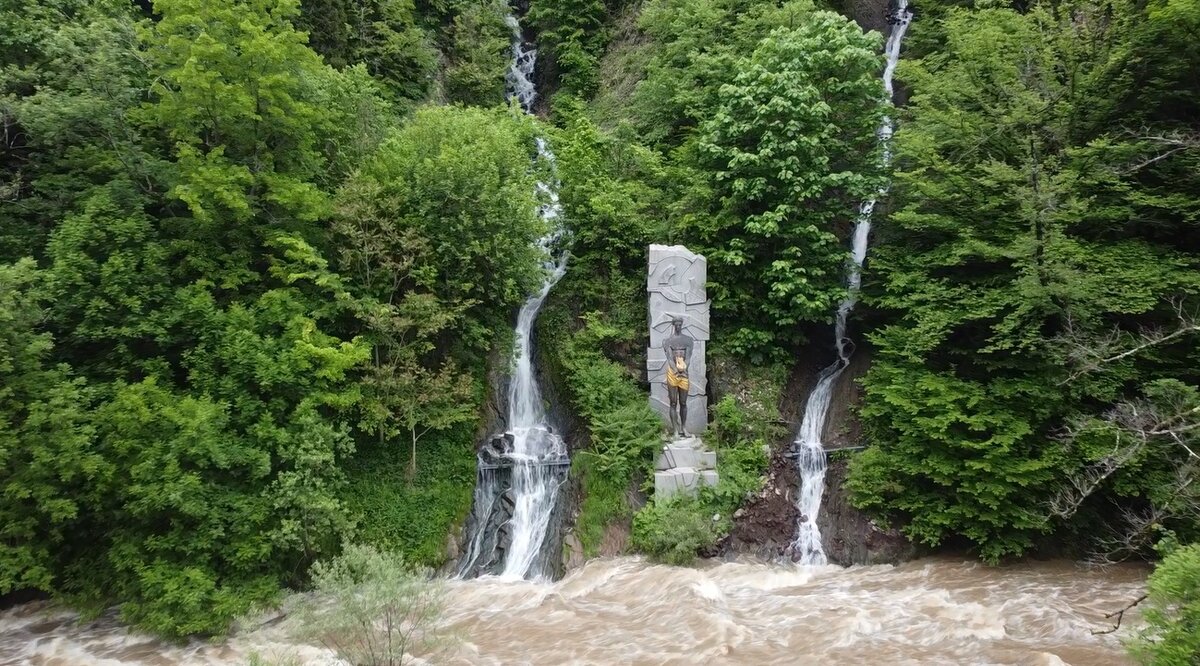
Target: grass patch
{"x":412,"y":517}
{"x":605,"y":501}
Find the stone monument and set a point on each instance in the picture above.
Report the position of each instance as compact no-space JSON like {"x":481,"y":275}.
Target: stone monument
{"x":678,"y":314}
{"x":676,"y":370}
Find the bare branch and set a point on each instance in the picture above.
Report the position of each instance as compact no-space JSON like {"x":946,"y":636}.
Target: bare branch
{"x":1174,"y":142}
{"x":1090,"y":353}
{"x":1066,"y":501}
{"x":1119,"y":615}
{"x":1140,"y":428}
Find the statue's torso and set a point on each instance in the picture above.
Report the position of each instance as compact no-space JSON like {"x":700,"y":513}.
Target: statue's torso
{"x":678,"y":343}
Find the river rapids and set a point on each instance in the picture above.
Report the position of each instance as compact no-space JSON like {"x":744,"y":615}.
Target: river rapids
{"x":627,"y":611}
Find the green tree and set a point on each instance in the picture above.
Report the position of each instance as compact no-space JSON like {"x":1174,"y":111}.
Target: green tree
{"x":613,"y":193}
{"x":382,"y":35}
{"x":109,"y":280}
{"x":70,"y":77}
{"x":202,"y":295}
{"x":1016,"y":232}
{"x":571,"y":36}
{"x":1172,"y":634}
{"x":48,"y":453}
{"x":479,"y":53}
{"x":792,"y":150}
{"x":690,"y":54}
{"x":246,"y":131}
{"x":327,"y":25}
{"x":446,"y":210}
{"x":406,"y":399}
{"x":222,"y":504}
{"x":438,"y":234}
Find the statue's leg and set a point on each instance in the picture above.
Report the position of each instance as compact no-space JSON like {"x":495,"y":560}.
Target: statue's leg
{"x":682,"y":411}
{"x":672,"y":397}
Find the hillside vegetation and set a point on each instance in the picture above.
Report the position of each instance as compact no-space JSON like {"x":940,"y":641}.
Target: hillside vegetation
{"x":255,"y":256}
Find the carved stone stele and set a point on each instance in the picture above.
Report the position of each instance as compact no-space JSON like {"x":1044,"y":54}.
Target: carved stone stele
{"x":676,"y":287}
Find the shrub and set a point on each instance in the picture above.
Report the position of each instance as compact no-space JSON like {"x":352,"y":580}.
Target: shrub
{"x":675,"y":530}
{"x":370,"y":607}
{"x":1172,"y":634}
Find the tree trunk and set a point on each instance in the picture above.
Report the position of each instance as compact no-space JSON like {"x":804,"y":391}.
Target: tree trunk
{"x":412,"y":460}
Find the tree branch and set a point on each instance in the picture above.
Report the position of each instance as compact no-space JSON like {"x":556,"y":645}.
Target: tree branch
{"x":1090,"y":353}
{"x":1120,"y":614}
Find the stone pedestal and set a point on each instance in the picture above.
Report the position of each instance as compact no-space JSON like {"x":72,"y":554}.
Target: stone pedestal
{"x":683,"y":466}
{"x":676,"y":287}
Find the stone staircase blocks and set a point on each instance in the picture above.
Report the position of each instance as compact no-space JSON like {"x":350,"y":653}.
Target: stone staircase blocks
{"x":684,"y":466}
{"x":682,"y":479}
{"x":684,"y":456}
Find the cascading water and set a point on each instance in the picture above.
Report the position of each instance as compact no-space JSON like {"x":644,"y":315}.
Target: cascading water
{"x":535,"y":450}
{"x":533,"y":455}
{"x":809,"y":448}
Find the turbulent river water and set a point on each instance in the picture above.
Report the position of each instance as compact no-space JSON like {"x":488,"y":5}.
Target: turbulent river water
{"x":627,"y":611}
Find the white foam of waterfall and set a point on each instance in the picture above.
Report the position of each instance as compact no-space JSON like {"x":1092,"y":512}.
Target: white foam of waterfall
{"x":519,"y":78}
{"x":809,"y":448}
{"x":534,"y":482}
{"x":535,"y":448}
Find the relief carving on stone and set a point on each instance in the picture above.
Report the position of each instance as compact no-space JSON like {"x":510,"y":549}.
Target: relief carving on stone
{"x":676,"y":287}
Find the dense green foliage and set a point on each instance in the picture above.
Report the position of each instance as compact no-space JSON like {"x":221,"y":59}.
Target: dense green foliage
{"x":253,"y":268}
{"x":412,"y":513}
{"x":790,"y":148}
{"x":43,"y":486}
{"x":1030,"y":225}
{"x":1172,"y":633}
{"x":623,"y":430}
{"x":766,"y":117}
{"x":478,"y":54}
{"x":241,"y":272}
{"x":572,"y":35}
{"x":675,"y":531}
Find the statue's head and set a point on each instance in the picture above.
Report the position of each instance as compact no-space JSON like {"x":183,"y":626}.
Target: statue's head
{"x":677,"y":324}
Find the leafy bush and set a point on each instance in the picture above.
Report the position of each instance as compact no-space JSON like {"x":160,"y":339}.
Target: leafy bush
{"x":624,"y":432}
{"x":411,"y":515}
{"x":371,"y":608}
{"x":674,"y":531}
{"x":572,"y":34}
{"x":47,"y":440}
{"x":1172,"y":634}
{"x":383,"y":35}
{"x":478,"y":54}
{"x":605,"y":502}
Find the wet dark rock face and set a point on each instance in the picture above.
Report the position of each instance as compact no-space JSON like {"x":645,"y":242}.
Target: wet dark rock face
{"x":848,"y":535}
{"x":479,"y":553}
{"x":766,"y":525}
{"x":488,"y":524}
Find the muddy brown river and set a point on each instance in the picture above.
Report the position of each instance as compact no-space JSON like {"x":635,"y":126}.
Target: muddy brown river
{"x":627,"y":611}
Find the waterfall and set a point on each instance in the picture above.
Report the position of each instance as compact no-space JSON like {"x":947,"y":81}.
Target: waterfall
{"x":808,"y":447}
{"x":534,"y":455}
{"x":535,"y":449}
